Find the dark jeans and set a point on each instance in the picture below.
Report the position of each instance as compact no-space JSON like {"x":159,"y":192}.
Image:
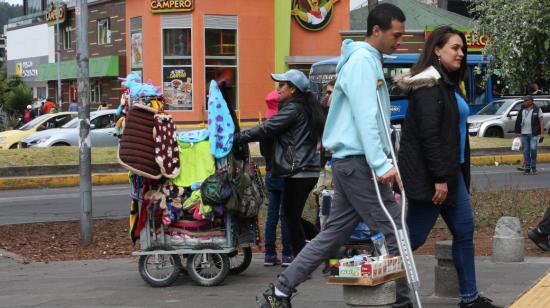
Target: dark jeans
{"x":295,"y":196}
{"x":354,"y":199}
{"x":275,"y":187}
{"x":544,"y":224}
{"x":421,"y":217}
{"x":529,"y":143}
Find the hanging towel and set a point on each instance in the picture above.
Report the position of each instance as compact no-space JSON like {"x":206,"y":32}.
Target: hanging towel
{"x":193,"y":136}
{"x":220,"y":123}
{"x":196,"y":163}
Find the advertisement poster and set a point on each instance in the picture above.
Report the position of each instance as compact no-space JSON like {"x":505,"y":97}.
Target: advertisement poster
{"x":136,"y":49}
{"x":177,"y":87}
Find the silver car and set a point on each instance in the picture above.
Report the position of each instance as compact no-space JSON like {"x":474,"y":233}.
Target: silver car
{"x":102,"y":132}
{"x":498,"y":119}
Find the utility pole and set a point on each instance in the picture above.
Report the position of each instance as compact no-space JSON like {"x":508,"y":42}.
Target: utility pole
{"x":58,"y":57}
{"x":84,"y":143}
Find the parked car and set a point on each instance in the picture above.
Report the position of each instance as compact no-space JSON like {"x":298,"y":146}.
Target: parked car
{"x":498,"y":118}
{"x":11,"y":139}
{"x":102,"y":132}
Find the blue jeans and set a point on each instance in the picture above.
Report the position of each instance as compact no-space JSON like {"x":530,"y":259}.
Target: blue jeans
{"x":275,"y":210}
{"x":421,"y":217}
{"x":529,"y":145}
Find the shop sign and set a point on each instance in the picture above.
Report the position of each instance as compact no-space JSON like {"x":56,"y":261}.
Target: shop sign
{"x":177,"y":87}
{"x":474,"y":41}
{"x":56,"y":14}
{"x":26,"y":69}
{"x":313,"y":15}
{"x":170,"y":6}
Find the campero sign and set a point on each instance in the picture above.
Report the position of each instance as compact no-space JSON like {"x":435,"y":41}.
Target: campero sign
{"x":56,"y":14}
{"x":169,"y":6}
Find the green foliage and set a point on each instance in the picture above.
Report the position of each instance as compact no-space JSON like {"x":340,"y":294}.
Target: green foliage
{"x":520,"y":38}
{"x":17,"y":99}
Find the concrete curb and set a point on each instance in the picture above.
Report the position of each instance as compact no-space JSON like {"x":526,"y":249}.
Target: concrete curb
{"x":68,"y":180}
{"x":8,"y":254}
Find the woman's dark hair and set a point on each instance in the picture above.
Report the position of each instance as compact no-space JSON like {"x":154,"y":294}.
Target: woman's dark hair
{"x":438,"y":38}
{"x":382,"y":15}
{"x":314,"y":111}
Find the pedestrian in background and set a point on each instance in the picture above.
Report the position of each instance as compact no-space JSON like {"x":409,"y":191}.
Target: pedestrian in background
{"x":28,"y":115}
{"x":540,"y":234}
{"x":434,"y":154}
{"x":355,"y":135}
{"x":102,"y":106}
{"x":275,"y":188}
{"x":296,"y":130}
{"x":49,"y":106}
{"x":530,"y":127}
{"x":73,"y":106}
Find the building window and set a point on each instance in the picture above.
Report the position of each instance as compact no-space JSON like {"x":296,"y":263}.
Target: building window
{"x":103,"y":31}
{"x":95,"y":91}
{"x":67,"y":37}
{"x":221,"y":60}
{"x":177,"y":83}
{"x":41,"y":92}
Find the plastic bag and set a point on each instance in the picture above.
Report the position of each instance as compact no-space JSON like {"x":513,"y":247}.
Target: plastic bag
{"x":516,"y":144}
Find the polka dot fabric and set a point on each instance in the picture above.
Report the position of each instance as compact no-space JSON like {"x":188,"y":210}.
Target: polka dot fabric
{"x":166,"y":146}
{"x":220,"y":123}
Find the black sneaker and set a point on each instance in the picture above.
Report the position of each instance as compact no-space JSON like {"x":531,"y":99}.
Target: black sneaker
{"x":539,"y":239}
{"x":526,"y":171}
{"x":480,"y":302}
{"x":534,"y":171}
{"x":268,"y":299}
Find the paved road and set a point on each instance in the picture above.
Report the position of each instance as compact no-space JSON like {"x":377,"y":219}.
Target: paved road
{"x":116,"y":283}
{"x":58,"y":204}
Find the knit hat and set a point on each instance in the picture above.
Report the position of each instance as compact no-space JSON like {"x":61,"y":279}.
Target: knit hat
{"x":272,"y":101}
{"x":29,"y":107}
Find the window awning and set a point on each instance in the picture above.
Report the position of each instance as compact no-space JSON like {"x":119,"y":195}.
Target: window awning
{"x":98,"y":67}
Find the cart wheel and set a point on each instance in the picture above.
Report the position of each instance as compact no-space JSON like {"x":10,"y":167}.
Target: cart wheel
{"x":240,"y":260}
{"x":208,"y":269}
{"x":159,"y":270}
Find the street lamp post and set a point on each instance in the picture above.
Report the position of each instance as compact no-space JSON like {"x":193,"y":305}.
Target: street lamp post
{"x":58,"y":61}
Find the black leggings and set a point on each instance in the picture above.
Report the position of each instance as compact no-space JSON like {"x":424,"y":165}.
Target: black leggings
{"x":295,"y":196}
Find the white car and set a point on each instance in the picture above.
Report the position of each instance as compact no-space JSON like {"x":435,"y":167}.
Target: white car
{"x":102,"y":132}
{"x":498,"y":119}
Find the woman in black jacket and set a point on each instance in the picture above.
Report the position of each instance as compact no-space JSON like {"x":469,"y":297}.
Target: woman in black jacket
{"x":434,"y":155}
{"x":296,"y":130}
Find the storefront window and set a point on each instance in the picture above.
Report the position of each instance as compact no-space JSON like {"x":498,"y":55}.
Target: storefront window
{"x":103,"y":31}
{"x":41,"y":92}
{"x":177,"y":46}
{"x":221,"y":61}
{"x":177,"y":83}
{"x":67,"y":37}
{"x":95,"y":91}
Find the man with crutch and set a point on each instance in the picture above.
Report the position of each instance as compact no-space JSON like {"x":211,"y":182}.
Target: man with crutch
{"x":356,"y":135}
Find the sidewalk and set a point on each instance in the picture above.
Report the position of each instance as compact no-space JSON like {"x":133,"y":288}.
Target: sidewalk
{"x":116,"y":283}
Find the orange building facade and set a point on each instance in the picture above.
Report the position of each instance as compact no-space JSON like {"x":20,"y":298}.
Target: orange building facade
{"x":180,"y":45}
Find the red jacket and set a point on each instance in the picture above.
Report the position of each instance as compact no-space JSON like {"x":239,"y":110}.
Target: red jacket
{"x":48,"y":106}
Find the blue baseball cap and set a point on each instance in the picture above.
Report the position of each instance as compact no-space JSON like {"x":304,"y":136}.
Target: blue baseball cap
{"x":296,"y":77}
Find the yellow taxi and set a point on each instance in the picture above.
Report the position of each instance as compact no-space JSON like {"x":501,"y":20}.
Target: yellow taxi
{"x":11,"y":139}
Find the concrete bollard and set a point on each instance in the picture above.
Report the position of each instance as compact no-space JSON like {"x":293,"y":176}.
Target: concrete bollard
{"x":508,"y":241}
{"x":380,"y":296}
{"x":446,"y":278}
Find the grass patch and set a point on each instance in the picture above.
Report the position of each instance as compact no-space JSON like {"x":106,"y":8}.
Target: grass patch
{"x":486,"y":142}
{"x":54,"y":156}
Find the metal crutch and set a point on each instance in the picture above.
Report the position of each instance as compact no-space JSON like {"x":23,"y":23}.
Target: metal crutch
{"x":401,"y":235}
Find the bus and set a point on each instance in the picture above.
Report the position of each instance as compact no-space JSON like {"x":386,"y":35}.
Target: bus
{"x":479,"y":92}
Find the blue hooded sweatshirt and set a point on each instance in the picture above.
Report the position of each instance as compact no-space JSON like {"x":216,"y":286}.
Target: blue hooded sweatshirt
{"x":354,"y":124}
